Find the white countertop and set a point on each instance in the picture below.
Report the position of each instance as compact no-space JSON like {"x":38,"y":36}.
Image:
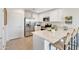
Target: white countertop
{"x":52,"y":37}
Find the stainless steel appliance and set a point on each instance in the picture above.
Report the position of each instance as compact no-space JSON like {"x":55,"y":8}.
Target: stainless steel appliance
{"x":29,"y":25}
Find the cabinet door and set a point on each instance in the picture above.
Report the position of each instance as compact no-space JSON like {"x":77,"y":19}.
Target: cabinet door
{"x":56,"y":15}
{"x":15,"y":24}
{"x":38,"y":43}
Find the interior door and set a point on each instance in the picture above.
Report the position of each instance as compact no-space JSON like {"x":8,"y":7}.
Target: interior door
{"x":2,"y":28}
{"x":15,"y":23}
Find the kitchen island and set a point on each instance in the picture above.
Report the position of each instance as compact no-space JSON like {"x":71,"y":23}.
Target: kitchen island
{"x":42,"y":40}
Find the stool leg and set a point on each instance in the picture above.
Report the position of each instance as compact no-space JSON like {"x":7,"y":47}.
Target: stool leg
{"x":50,"y":46}
{"x":74,"y":45}
{"x":69,"y":46}
{"x":71,"y":43}
{"x":76,"y":41}
{"x":64,"y":47}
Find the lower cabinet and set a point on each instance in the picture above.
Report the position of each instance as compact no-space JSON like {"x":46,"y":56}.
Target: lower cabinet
{"x":47,"y":46}
{"x":38,"y":43}
{"x":41,"y":44}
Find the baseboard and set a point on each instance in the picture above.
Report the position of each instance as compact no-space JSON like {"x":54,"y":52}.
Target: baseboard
{"x":14,"y":39}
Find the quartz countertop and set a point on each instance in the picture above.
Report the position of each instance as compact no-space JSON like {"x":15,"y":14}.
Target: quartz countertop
{"x":52,"y":37}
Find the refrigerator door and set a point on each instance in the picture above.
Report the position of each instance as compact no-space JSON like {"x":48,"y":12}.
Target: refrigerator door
{"x":26,"y":27}
{"x":29,"y":27}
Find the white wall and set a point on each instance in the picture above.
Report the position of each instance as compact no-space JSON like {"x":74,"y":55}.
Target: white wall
{"x":1,"y":22}
{"x":15,"y":25}
{"x":1,"y":28}
{"x":74,"y":12}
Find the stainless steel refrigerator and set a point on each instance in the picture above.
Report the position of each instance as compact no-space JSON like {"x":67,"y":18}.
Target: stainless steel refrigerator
{"x":29,"y":25}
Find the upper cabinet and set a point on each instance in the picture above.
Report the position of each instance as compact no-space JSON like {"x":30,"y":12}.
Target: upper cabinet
{"x":29,"y":14}
{"x":55,"y":15}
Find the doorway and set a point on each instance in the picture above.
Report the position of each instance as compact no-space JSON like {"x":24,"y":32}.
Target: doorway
{"x":2,"y":30}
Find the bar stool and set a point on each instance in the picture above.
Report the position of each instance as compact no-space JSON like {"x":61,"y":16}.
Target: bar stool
{"x":77,"y":38}
{"x":70,"y":41}
{"x":74,"y":40}
{"x":67,"y":40}
{"x":63,"y":43}
{"x":50,"y":46}
{"x":59,"y":45}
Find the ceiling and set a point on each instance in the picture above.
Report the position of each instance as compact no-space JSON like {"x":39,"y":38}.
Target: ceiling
{"x":38,"y":10}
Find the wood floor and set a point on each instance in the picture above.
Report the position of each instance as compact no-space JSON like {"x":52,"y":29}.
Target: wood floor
{"x":20,"y":44}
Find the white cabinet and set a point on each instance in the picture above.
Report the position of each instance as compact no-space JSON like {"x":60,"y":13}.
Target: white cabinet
{"x":29,"y":14}
{"x":47,"y":47}
{"x":41,"y":44}
{"x":38,"y":43}
{"x":55,"y":15}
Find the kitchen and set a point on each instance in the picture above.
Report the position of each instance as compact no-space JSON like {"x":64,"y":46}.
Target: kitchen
{"x":53,"y":23}
{"x":47,"y":27}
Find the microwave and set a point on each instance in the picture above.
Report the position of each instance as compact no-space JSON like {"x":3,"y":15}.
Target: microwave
{"x":46,"y":19}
